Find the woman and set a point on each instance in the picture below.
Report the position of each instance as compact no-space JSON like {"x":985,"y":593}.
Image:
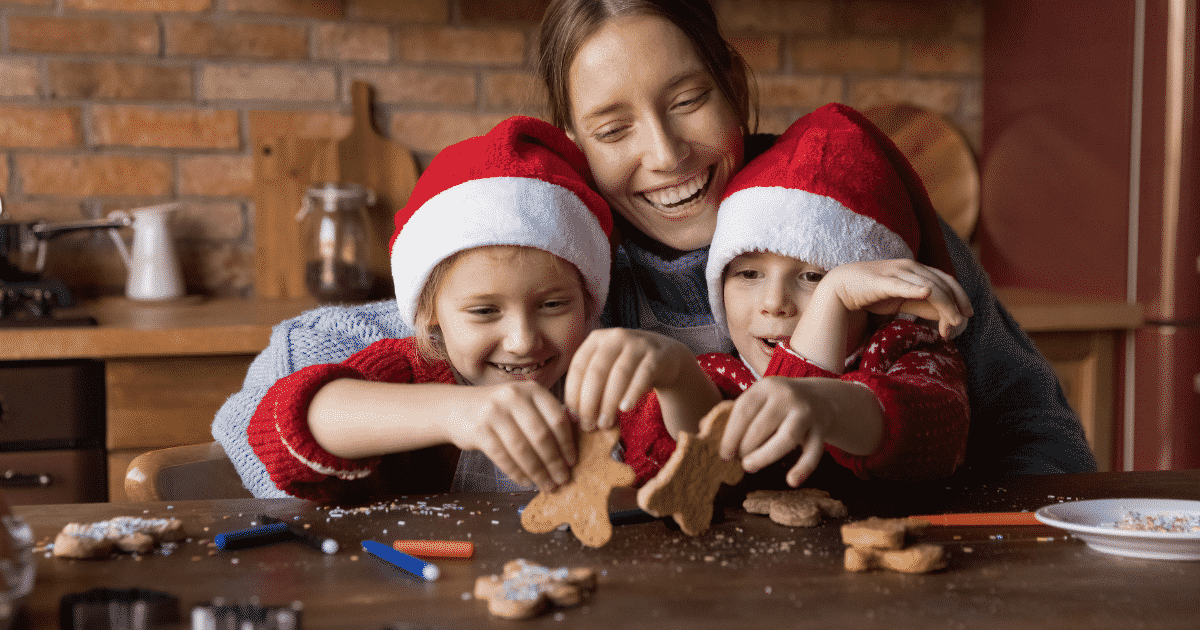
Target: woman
{"x":661,"y":106}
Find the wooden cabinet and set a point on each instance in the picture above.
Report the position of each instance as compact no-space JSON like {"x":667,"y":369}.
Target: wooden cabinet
{"x":167,"y":367}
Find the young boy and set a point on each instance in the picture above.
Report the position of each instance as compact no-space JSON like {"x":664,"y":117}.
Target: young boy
{"x":501,"y":264}
{"x":820,"y":243}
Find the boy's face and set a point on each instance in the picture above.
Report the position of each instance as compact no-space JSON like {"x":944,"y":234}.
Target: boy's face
{"x":509,"y":315}
{"x":764,"y":296}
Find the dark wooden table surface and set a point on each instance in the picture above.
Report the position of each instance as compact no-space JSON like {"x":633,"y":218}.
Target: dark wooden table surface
{"x":744,"y":572}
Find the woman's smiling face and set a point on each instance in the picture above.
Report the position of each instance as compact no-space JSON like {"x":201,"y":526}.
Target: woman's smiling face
{"x":661,"y":139}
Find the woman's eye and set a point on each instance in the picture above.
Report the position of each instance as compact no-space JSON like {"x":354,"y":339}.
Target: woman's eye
{"x":693,"y":102}
{"x":609,"y":133}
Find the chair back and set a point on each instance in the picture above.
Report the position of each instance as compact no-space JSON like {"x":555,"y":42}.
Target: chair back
{"x":178,"y":473}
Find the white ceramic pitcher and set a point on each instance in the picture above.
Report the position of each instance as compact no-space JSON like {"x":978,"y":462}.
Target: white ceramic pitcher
{"x":154,"y":272}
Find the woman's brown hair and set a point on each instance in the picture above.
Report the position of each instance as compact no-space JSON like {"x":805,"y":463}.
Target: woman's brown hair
{"x":568,"y":23}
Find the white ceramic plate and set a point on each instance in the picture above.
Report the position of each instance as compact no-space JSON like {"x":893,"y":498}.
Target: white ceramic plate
{"x":1095,"y":522}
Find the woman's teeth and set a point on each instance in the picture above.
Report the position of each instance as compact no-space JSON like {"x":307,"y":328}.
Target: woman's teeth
{"x":678,"y":195}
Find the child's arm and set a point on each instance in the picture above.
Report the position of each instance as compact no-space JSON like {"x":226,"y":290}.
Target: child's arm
{"x":520,"y":426}
{"x":883,"y":287}
{"x":615,"y":366}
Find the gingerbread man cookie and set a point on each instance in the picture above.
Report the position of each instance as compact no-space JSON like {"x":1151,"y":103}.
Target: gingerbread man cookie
{"x":687,"y":484}
{"x":803,"y":507}
{"x":882,"y":543}
{"x":525,"y":589}
{"x":582,"y":502}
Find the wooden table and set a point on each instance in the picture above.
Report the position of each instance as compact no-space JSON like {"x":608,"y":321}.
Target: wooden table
{"x":651,"y":576}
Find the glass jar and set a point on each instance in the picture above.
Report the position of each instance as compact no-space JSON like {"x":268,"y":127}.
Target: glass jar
{"x":336,"y":242}
{"x":17,"y":566}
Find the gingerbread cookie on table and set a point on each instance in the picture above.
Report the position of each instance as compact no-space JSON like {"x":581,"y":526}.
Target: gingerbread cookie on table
{"x":525,"y":589}
{"x":882,"y":543}
{"x":582,"y":502}
{"x":803,"y":507}
{"x":687,"y":485}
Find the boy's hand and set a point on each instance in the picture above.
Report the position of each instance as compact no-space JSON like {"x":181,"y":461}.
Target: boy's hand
{"x":888,"y":287}
{"x":772,"y":418}
{"x":523,"y":429}
{"x":614,"y":367}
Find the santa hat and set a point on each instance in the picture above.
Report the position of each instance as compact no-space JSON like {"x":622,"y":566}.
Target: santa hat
{"x":833,"y":189}
{"x":523,"y":183}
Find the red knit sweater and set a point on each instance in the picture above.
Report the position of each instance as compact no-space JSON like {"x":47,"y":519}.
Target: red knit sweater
{"x":281,"y":439}
{"x":919,"y":380}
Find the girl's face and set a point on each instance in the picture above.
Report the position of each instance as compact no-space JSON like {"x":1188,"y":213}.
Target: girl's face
{"x":765,"y":294}
{"x":661,"y":139}
{"x":509,"y":314}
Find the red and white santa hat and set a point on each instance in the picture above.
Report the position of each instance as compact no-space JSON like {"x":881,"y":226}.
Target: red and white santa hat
{"x":833,"y":189}
{"x":523,"y":183}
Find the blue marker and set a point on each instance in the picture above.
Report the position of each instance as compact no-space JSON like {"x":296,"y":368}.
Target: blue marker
{"x":253,"y":537}
{"x":415,"y":566}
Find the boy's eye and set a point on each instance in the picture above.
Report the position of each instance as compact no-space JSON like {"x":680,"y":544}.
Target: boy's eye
{"x":747,"y":274}
{"x":812,"y":276}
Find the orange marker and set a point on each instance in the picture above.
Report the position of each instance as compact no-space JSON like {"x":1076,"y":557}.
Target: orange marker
{"x":436,"y":548}
{"x":982,"y":518}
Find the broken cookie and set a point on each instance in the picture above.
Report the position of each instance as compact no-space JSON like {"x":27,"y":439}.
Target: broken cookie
{"x":127,"y":533}
{"x":882,"y":543}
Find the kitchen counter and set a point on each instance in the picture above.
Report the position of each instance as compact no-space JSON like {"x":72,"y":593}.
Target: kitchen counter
{"x":127,"y":328}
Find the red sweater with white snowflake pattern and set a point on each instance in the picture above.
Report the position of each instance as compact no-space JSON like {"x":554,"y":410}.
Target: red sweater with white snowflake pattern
{"x":298,"y":465}
{"x":920,"y":381}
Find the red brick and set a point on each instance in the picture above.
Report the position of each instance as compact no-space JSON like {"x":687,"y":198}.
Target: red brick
{"x":411,"y":11}
{"x":224,"y":39}
{"x":475,"y":12}
{"x":899,"y":17}
{"x":88,"y":175}
{"x":431,"y":132}
{"x":303,"y":124}
{"x":131,"y":126}
{"x":82,"y":35}
{"x":52,"y":210}
{"x":419,"y":86}
{"x":32,"y":3}
{"x":18,"y":77}
{"x":320,"y":9}
{"x":940,"y":96}
{"x":216,"y":175}
{"x":775,"y":16}
{"x":117,"y":80}
{"x":41,"y":127}
{"x":794,"y":92}
{"x":461,"y":45}
{"x":272,"y":83}
{"x":945,"y":58}
{"x":156,"y":6}
{"x":760,"y":52}
{"x":847,"y":54}
{"x":220,"y":220}
{"x":351,"y":42}
{"x":515,"y":92}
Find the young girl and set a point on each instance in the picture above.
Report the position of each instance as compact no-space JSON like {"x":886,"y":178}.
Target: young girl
{"x":812,"y":258}
{"x":501,"y":264}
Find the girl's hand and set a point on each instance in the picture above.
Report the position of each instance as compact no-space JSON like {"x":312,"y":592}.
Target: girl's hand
{"x":774,"y":417}
{"x":888,"y":287}
{"x":614,"y":367}
{"x":522,"y":428}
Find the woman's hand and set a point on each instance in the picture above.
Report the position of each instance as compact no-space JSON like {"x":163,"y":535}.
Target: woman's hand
{"x":616,"y":366}
{"x":888,"y":287}
{"x":522,"y":428}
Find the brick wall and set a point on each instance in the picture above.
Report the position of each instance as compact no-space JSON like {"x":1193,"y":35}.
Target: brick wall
{"x":110,"y":104}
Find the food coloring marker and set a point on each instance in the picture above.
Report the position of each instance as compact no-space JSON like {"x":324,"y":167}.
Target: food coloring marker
{"x":253,"y":537}
{"x":322,"y":543}
{"x":436,"y":548}
{"x":415,"y":566}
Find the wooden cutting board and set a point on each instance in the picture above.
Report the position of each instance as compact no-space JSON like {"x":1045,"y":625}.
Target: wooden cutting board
{"x":288,"y":160}
{"x":940,"y":154}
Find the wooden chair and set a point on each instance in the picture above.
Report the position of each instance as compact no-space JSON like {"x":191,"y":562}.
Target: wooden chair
{"x":195,"y":471}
